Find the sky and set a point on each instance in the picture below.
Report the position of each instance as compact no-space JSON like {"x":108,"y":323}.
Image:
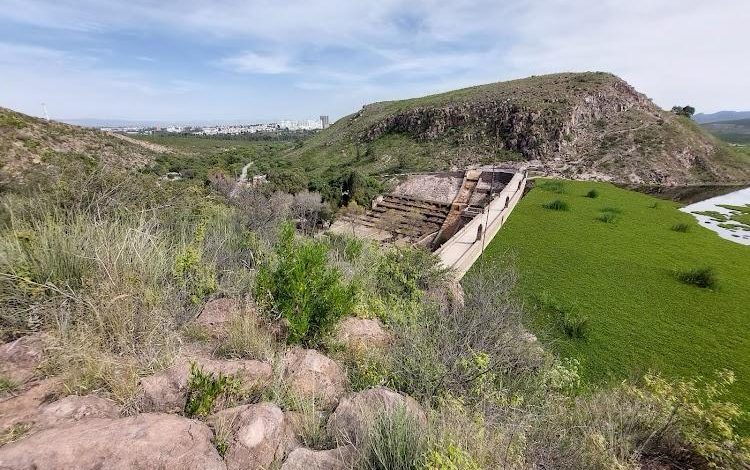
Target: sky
{"x":259,"y":60}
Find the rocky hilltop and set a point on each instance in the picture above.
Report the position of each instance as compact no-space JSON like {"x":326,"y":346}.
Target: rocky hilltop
{"x":577,"y":125}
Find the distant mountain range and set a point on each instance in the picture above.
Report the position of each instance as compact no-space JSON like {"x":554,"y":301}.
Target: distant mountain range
{"x":721,"y":116}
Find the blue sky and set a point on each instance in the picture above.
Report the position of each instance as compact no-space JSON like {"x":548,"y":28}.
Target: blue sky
{"x":262,"y":60}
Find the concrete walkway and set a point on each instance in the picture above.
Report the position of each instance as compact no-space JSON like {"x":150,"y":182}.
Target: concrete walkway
{"x":464,"y":248}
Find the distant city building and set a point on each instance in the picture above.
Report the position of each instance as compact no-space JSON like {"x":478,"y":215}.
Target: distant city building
{"x":324,"y":122}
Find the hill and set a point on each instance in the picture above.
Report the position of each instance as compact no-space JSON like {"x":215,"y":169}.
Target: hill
{"x":31,"y":147}
{"x":577,"y":125}
{"x":735,"y":131}
{"x":720,"y":116}
{"x":618,"y":272}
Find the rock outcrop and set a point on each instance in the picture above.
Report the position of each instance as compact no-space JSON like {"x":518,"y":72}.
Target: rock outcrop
{"x":20,"y":358}
{"x":360,"y":332}
{"x":143,"y":442}
{"x":350,"y":421}
{"x":340,"y":458}
{"x":314,"y":376}
{"x":256,"y":435}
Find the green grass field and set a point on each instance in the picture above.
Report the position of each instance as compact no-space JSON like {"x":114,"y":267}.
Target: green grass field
{"x":619,"y":272}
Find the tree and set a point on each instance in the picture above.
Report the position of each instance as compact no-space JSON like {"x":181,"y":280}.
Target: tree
{"x":686,"y":111}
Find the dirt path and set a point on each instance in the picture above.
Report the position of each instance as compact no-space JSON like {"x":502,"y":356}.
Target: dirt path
{"x":147,"y":145}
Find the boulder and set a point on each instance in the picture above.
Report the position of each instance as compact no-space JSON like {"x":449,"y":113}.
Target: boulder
{"x":362,"y":332}
{"x":217,"y":312}
{"x":20,"y":358}
{"x":166,"y":391}
{"x":146,"y":441}
{"x":75,"y":408}
{"x":314,"y":376}
{"x":340,"y":458}
{"x":256,"y":434}
{"x":350,"y":421}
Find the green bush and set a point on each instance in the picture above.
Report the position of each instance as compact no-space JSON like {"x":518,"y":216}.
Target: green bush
{"x":703,"y":277}
{"x":450,"y":457}
{"x":681,"y":227}
{"x":302,"y":288}
{"x":195,"y":275}
{"x":556,"y":205}
{"x":204,"y":390}
{"x":592,"y":194}
{"x":405,"y":272}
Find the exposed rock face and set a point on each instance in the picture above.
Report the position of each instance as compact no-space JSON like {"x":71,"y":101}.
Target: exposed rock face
{"x":585,"y":126}
{"x":144,"y":442}
{"x":167,"y":390}
{"x":257,"y":435}
{"x":20,"y":358}
{"x":361,"y":332}
{"x":350,"y":421}
{"x":315,"y":376}
{"x":25,"y":407}
{"x":340,"y":458}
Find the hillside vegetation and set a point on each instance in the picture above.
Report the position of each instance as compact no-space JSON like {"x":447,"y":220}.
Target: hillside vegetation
{"x":30,"y":147}
{"x":578,"y":125}
{"x":625,"y":283}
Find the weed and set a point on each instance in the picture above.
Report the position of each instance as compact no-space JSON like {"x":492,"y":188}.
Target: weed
{"x":14,"y":433}
{"x":222,"y":436}
{"x":8,"y":385}
{"x":592,"y":194}
{"x":703,"y":277}
{"x":556,"y":205}
{"x":204,"y":390}
{"x":681,"y":227}
{"x":612,"y":210}
{"x":570,"y":321}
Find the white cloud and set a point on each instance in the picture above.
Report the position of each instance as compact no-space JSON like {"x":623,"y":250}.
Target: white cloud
{"x":252,"y":62}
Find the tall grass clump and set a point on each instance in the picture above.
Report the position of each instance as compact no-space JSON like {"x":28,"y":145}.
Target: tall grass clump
{"x":552,"y":186}
{"x":680,"y":228}
{"x":703,"y":277}
{"x":607,"y":217}
{"x":592,"y":194}
{"x":556,"y":205}
{"x":300,"y":287}
{"x":395,"y":441}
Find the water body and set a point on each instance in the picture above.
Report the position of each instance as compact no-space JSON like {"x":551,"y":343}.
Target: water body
{"x":737,"y":198}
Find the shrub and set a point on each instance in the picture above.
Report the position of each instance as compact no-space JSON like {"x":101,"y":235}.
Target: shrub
{"x":394,"y":442}
{"x":681,"y":227}
{"x":449,"y":457}
{"x":301,"y":288}
{"x":703,"y":277}
{"x":194,"y":274}
{"x":405,"y":272}
{"x":592,"y":194}
{"x":556,"y":205}
{"x":204,"y":390}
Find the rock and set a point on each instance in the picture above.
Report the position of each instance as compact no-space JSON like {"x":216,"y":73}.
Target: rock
{"x":340,"y":458}
{"x":24,"y":408}
{"x":361,"y":332}
{"x":256,"y":434}
{"x":217,"y":312}
{"x":314,"y":376}
{"x":350,"y":421}
{"x":75,"y":408}
{"x":146,"y":441}
{"x":166,"y":391}
{"x":20,"y":358}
